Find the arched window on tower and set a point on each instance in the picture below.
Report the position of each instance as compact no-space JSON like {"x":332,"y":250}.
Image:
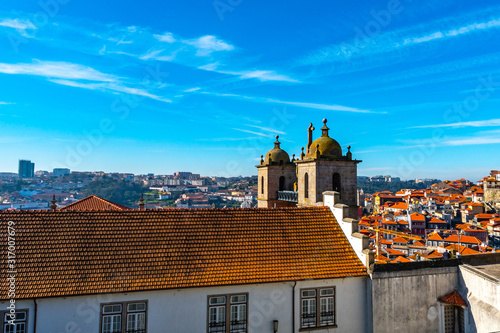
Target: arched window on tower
{"x":282,"y":183}
{"x":262,"y":185}
{"x":336,"y":183}
{"x":306,"y":186}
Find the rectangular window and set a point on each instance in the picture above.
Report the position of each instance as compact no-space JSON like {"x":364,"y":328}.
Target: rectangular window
{"x":20,"y":323}
{"x":309,"y":308}
{"x":124,"y":317}
{"x":227,"y":313}
{"x":310,"y":299}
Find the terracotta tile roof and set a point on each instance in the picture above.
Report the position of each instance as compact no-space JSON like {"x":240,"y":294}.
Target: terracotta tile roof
{"x":435,"y":237}
{"x":400,"y":259}
{"x":94,"y":202}
{"x":463,"y":226}
{"x":435,"y":255}
{"x":417,"y":217}
{"x":393,"y":252}
{"x":63,"y":253}
{"x":486,"y":216}
{"x":382,"y":258}
{"x":474,"y":229}
{"x":464,"y":250}
{"x":435,"y":220}
{"x":453,"y":298}
{"x":399,"y":240}
{"x":400,"y":205}
{"x":474,"y":204}
{"x":463,"y":239}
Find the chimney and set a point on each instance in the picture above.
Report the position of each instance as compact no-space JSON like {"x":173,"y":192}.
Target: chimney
{"x":141,"y":204}
{"x":54,"y":201}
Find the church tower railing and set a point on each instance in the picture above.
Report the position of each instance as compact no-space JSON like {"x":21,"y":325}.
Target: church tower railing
{"x":290,"y":196}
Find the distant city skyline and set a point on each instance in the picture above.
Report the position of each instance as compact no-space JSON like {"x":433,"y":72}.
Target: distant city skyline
{"x":160,"y":87}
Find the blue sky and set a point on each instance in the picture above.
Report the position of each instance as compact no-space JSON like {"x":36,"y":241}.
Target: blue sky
{"x":204,"y":86}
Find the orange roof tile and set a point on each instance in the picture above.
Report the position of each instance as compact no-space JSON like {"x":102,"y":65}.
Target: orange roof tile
{"x":453,"y":298}
{"x":417,"y":217}
{"x":435,"y":220}
{"x":435,"y":237}
{"x":435,"y":255}
{"x":474,"y":204}
{"x":464,"y":250}
{"x":400,"y":205}
{"x":486,"y":216}
{"x":462,"y":226}
{"x":400,"y":259}
{"x":399,"y":240}
{"x":463,"y":239}
{"x":393,"y":252}
{"x":64,"y":253}
{"x":94,"y":202}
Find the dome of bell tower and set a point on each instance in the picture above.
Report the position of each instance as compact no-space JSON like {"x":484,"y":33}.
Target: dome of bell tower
{"x":277,"y":155}
{"x":328,"y":148}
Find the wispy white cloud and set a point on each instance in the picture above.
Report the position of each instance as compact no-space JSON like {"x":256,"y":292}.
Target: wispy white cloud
{"x":167,"y":37}
{"x":480,"y":123}
{"x":112,"y":87}
{"x":264,"y":76}
{"x":75,"y":75}
{"x":22,"y":26}
{"x":60,"y":70}
{"x":267,"y":129}
{"x":192,"y":89}
{"x":157,"y":55}
{"x":472,"y":141}
{"x":261,"y":75}
{"x":392,"y":43}
{"x":328,"y":107}
{"x":252,"y":132}
{"x":476,"y":26}
{"x":6,"y":103}
{"x":205,"y":45}
{"x":229,"y":139}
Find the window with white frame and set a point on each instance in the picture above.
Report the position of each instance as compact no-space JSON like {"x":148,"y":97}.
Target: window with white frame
{"x":18,"y":325}
{"x":124,"y":317}
{"x":227,"y":313}
{"x":317,"y":307}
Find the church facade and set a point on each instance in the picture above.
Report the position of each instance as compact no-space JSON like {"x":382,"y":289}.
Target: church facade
{"x":321,"y":167}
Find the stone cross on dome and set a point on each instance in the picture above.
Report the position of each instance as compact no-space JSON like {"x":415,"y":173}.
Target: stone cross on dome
{"x":310,"y":135}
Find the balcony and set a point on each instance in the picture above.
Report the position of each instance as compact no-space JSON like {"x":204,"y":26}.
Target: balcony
{"x":289,"y":196}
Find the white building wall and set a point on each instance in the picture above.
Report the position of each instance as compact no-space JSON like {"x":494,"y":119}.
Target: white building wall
{"x":483,"y":296}
{"x":185,"y":310}
{"x":349,"y":228}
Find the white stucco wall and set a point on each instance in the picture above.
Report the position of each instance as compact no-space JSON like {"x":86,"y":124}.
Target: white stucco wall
{"x":341,"y":212}
{"x":185,"y":310}
{"x":483,"y":296}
